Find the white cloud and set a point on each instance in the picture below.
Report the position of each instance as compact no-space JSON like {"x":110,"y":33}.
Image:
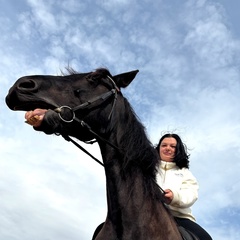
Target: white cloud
{"x":189,"y":82}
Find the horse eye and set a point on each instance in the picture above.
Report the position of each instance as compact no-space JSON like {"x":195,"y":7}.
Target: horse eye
{"x":77,"y":92}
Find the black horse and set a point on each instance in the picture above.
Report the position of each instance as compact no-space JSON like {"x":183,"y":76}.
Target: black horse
{"x":91,"y":106}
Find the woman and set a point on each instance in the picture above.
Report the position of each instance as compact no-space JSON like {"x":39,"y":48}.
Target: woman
{"x":180,"y":186}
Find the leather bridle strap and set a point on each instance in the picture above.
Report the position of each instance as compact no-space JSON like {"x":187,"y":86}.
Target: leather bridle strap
{"x":66,"y":137}
{"x":87,"y":104}
{"x":97,"y":136}
{"x":102,"y":97}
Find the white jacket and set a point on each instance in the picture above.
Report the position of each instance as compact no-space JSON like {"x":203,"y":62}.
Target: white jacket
{"x":183,"y":185}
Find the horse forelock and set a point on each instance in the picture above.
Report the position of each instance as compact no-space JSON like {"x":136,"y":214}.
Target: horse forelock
{"x":98,"y":73}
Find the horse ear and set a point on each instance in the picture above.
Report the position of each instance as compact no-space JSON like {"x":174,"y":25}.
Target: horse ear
{"x":124,"y":79}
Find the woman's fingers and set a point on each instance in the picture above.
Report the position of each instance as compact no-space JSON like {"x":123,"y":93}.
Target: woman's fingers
{"x":35,"y":117}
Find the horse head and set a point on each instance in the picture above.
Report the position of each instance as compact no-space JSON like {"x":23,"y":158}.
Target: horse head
{"x":85,"y":96}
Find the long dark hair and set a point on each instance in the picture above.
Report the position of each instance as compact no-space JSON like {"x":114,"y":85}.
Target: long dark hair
{"x":181,"y":153}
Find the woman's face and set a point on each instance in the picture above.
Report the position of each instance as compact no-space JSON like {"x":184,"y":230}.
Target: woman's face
{"x":167,"y":149}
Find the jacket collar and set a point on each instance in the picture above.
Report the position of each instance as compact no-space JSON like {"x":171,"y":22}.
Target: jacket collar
{"x":167,"y":165}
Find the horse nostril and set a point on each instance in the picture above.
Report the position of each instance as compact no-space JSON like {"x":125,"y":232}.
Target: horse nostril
{"x":27,"y":85}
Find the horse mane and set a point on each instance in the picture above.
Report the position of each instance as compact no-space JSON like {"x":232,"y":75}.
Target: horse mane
{"x":138,"y":150}
{"x":140,"y":157}
{"x":136,"y":144}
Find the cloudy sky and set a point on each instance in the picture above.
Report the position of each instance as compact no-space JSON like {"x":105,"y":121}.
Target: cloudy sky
{"x":188,"y":54}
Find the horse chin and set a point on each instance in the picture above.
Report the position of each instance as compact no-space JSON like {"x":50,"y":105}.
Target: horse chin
{"x":27,"y":104}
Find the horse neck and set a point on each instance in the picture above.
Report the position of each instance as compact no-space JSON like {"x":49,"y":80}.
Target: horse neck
{"x":130,"y":171}
{"x":134,"y":199}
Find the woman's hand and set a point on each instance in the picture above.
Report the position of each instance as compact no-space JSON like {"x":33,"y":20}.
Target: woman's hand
{"x":35,"y":117}
{"x":168,"y":196}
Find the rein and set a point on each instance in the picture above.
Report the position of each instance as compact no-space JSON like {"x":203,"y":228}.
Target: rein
{"x":71,"y":111}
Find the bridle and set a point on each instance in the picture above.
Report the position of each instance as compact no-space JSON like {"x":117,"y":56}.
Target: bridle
{"x":72,"y":113}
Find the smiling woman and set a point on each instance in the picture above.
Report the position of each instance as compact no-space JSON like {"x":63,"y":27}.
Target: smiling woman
{"x":180,"y":186}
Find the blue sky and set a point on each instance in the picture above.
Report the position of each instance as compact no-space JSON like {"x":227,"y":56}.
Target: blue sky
{"x":189,"y":83}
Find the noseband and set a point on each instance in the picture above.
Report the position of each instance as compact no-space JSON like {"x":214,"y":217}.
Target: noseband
{"x":62,"y":110}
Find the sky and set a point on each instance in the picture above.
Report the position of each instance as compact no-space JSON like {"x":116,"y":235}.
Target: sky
{"x":188,"y":56}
